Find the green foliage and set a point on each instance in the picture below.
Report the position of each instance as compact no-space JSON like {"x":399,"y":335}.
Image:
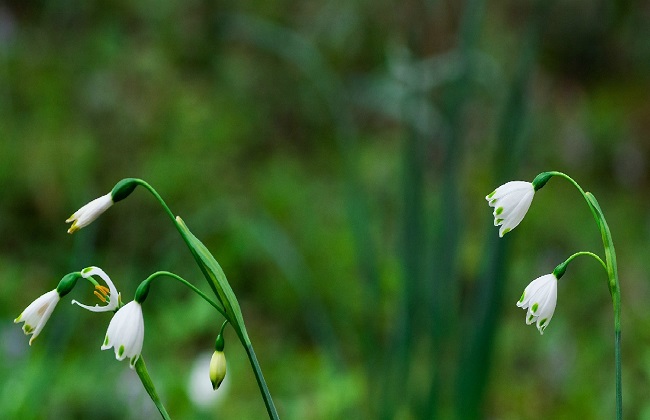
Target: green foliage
{"x":333,"y":157}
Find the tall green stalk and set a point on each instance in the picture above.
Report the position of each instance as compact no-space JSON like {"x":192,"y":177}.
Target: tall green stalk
{"x":613,"y":283}
{"x":143,"y":374}
{"x":222,"y":290}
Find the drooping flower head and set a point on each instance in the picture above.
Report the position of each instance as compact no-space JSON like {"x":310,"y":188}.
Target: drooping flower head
{"x":540,"y":298}
{"x":109,"y":295}
{"x":91,"y":211}
{"x":512,"y":200}
{"x":126,"y":333}
{"x":36,"y":315}
{"x":88,"y":213}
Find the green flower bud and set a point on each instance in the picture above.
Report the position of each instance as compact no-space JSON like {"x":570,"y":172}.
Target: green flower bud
{"x":67,"y":283}
{"x":217,"y":369}
{"x":123,"y":189}
{"x":142,"y":291}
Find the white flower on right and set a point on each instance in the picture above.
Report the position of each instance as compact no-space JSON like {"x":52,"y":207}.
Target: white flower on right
{"x":126,"y":333}
{"x":35,"y":316}
{"x":511,"y":201}
{"x":88,"y":213}
{"x":540,"y":298}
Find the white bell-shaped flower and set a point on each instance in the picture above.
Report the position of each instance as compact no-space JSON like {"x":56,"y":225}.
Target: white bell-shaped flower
{"x":126,"y":333}
{"x":511,"y":201}
{"x":110,"y":295}
{"x":540,"y":298}
{"x":35,"y":316}
{"x":88,"y":213}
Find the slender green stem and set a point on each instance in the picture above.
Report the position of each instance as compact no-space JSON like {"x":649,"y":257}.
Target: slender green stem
{"x":577,"y":254}
{"x":191,"y":286}
{"x":168,"y":211}
{"x":613,"y":283}
{"x":239,"y":329}
{"x":584,"y":194}
{"x":143,"y":374}
{"x":268,"y":401}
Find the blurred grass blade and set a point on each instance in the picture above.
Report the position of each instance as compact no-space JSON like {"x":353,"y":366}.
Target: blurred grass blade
{"x":478,"y":342}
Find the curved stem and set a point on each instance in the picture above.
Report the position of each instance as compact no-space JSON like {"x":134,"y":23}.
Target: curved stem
{"x":584,"y":194}
{"x":577,"y":254}
{"x":168,"y":211}
{"x":266,"y":395}
{"x":191,"y":286}
{"x":239,"y":329}
{"x":143,"y":374}
{"x":613,"y":283}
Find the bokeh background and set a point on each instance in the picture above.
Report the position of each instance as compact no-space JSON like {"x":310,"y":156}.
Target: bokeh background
{"x":334,"y":156}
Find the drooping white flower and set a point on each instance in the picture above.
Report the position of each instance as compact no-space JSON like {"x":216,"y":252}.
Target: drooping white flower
{"x":88,"y":213}
{"x":540,"y":298}
{"x":35,"y":316}
{"x":126,"y":333}
{"x":111,"y":298}
{"x":511,"y":201}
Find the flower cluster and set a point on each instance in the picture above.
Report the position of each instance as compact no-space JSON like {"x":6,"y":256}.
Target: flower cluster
{"x":511,"y":201}
{"x":125,"y":331}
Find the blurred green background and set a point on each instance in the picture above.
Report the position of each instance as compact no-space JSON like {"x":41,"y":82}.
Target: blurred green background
{"x":334,"y":156}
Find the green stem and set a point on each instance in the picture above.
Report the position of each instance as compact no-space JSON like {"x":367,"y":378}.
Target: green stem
{"x":191,"y":286}
{"x":143,"y":374}
{"x":268,"y":401}
{"x":613,"y":283}
{"x":168,"y":211}
{"x":239,"y":329}
{"x":560,"y":269}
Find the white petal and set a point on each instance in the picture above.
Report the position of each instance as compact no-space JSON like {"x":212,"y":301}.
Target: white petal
{"x":126,"y":331}
{"x":36,"y":315}
{"x":113,"y":296}
{"x":88,"y":213}
{"x":508,"y":188}
{"x":540,"y":298}
{"x":511,"y":202}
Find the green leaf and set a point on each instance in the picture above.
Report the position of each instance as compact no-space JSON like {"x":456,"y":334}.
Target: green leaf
{"x":217,"y":279}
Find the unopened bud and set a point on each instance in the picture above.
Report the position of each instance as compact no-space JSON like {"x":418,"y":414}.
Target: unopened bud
{"x":217,"y":369}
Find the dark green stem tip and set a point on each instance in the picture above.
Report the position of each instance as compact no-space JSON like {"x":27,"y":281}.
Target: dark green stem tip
{"x":123,"y":189}
{"x":67,"y":283}
{"x":541,"y":180}
{"x":560,"y":269}
{"x":219,"y":344}
{"x":142,"y":291}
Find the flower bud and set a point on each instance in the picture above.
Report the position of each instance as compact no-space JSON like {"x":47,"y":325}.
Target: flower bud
{"x":217,"y":369}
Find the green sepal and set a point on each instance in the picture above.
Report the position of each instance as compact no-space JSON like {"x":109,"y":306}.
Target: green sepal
{"x":142,"y":291}
{"x":219,"y":344}
{"x":123,"y":189}
{"x":216,"y":278}
{"x":68,"y":283}
{"x":561,"y":269}
{"x":541,"y":180}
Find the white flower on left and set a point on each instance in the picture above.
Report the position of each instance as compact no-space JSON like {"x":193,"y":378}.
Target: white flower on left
{"x":511,"y":201}
{"x":35,"y":316}
{"x":126,"y":333}
{"x":88,"y":213}
{"x":540,"y":298}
